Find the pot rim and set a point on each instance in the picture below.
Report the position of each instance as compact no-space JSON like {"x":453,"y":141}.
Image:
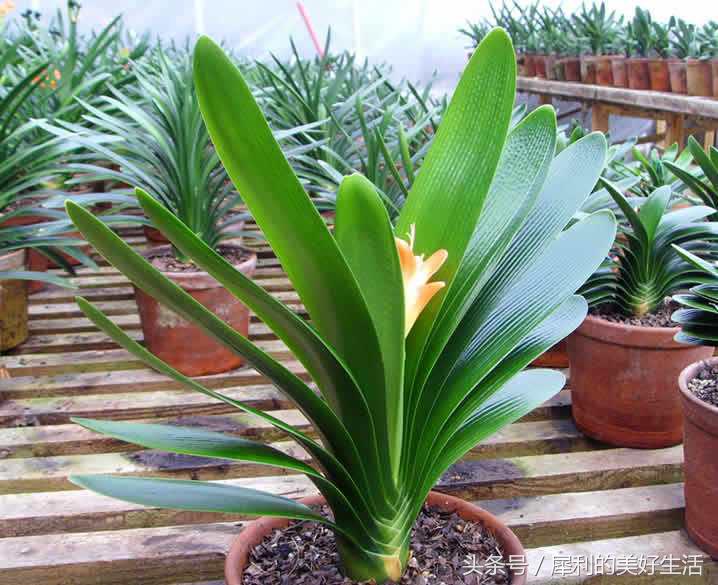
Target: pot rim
{"x":243,"y":266}
{"x":630,"y":335}
{"x":690,"y":372}
{"x":256,"y":530}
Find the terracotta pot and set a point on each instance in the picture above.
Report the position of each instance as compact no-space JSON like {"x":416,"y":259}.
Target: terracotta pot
{"x":623,"y":382}
{"x":571,"y":68}
{"x":13,"y":300}
{"x":540,"y":65}
{"x":550,"y":61}
{"x":700,"y":465}
{"x":618,"y":70}
{"x":240,"y":549}
{"x":699,"y":78}
{"x":638,"y":74}
{"x":168,"y":336}
{"x":677,"y":74}
{"x":559,"y":70}
{"x":154,"y":236}
{"x":556,"y":357}
{"x":588,"y":69}
{"x":34,"y":260}
{"x":658,"y":75}
{"x":604,"y":71}
{"x":714,"y":73}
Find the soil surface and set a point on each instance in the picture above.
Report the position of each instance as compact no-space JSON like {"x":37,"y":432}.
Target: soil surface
{"x":168,"y":263}
{"x":444,"y":550}
{"x":705,"y":385}
{"x":661,"y":318}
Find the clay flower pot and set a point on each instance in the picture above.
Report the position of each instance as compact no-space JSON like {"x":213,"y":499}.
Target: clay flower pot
{"x":550,"y":63}
{"x":623,"y":382}
{"x":154,"y":236}
{"x":571,"y":68}
{"x":700,"y":465}
{"x":556,"y":357}
{"x":240,"y":550}
{"x":714,"y":73}
{"x":184,"y":345}
{"x":540,"y":65}
{"x":658,"y":74}
{"x":638,"y":75}
{"x":34,"y":260}
{"x":530,"y":66}
{"x":677,"y":73}
{"x":618,"y":70}
{"x":604,"y":70}
{"x":13,"y":300}
{"x":588,"y":69}
{"x":699,"y":78}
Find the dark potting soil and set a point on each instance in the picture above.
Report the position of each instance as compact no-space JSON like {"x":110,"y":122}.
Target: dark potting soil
{"x":661,"y":318}
{"x":705,"y":385}
{"x":444,"y":549}
{"x":168,"y":263}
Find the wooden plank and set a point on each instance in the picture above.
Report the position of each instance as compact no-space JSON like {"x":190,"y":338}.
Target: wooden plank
{"x":475,"y":478}
{"x":649,"y":100}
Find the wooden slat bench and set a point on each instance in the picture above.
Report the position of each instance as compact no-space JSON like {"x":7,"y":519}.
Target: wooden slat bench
{"x":566,"y":496}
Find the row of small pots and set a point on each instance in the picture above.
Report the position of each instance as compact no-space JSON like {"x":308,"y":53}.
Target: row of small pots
{"x":629,"y":388}
{"x":697,"y":77}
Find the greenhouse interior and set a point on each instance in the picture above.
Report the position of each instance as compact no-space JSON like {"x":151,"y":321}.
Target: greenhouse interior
{"x":499,"y":371}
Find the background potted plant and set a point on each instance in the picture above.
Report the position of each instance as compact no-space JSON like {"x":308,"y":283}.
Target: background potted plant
{"x":698,"y":386}
{"x":682,"y":46}
{"x":703,"y":180}
{"x":405,"y":392}
{"x":699,"y":76}
{"x":160,"y":144}
{"x":710,"y":49}
{"x":623,"y":358}
{"x":599,"y":27}
{"x":658,"y":63}
{"x":621,"y":51}
{"x":639,"y":33}
{"x":570,"y":48}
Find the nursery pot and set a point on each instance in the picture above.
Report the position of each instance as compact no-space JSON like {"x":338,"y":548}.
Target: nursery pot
{"x":13,"y":301}
{"x":638,"y":74}
{"x":677,"y":73}
{"x":588,"y":69}
{"x":540,"y":65}
{"x":154,"y":236}
{"x":530,"y":65}
{"x":34,"y":260}
{"x":714,"y":73}
{"x":623,"y":382}
{"x":658,"y":74}
{"x":618,"y":70}
{"x":604,"y":70}
{"x":237,"y":558}
{"x":556,"y":357}
{"x":184,"y":345}
{"x":571,"y":69}
{"x":700,"y":465}
{"x":699,"y":79}
{"x":550,"y":61}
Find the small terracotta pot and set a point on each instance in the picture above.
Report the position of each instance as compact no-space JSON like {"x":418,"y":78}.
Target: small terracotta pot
{"x":556,"y":357}
{"x":13,"y":300}
{"x":638,"y":74}
{"x":154,"y":236}
{"x":540,"y":65}
{"x":571,"y":68}
{"x":530,"y":65}
{"x":699,"y":78}
{"x":623,"y":382}
{"x":550,"y":62}
{"x":700,"y":464}
{"x":238,"y":556}
{"x":714,"y":73}
{"x":184,"y":345}
{"x":618,"y":70}
{"x":604,"y":71}
{"x":677,"y":73}
{"x":34,"y":260}
{"x":658,"y":74}
{"x":559,"y":70}
{"x":588,"y":69}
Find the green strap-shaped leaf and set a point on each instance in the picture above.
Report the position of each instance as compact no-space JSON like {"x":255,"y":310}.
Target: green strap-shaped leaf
{"x":446,"y":199}
{"x":704,"y":161}
{"x":366,"y":238}
{"x":652,"y":210}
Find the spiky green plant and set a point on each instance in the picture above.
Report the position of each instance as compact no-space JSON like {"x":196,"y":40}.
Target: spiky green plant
{"x":475,"y":32}
{"x":598,"y":26}
{"x":645,"y":269}
{"x":703,"y":181}
{"x":655,"y":169}
{"x":683,"y":39}
{"x":699,"y":316}
{"x":404,"y":392}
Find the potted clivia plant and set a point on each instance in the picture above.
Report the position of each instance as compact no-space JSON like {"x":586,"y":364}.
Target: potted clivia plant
{"x":710,"y":50}
{"x":621,"y":50}
{"x":161,"y":145}
{"x":419,"y":332}
{"x":698,"y":385}
{"x":658,"y":62}
{"x":600,"y":28}
{"x":623,"y":358}
{"x":639,"y":33}
{"x":683,"y":45}
{"x":699,"y":75}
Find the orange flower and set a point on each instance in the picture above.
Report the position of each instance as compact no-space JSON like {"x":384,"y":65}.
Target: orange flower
{"x":6,"y":8}
{"x":416,"y":272}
